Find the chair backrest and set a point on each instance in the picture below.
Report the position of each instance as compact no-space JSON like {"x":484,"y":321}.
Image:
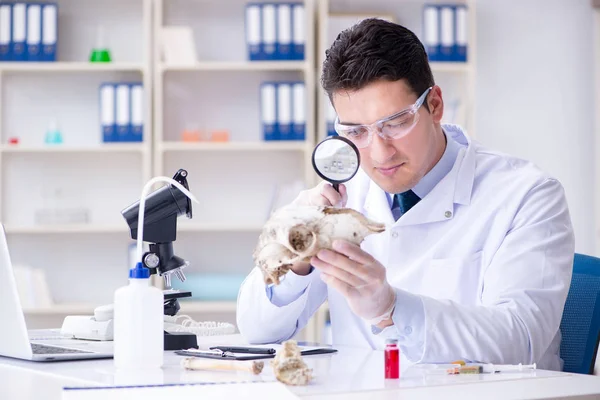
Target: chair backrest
{"x":580,"y":325}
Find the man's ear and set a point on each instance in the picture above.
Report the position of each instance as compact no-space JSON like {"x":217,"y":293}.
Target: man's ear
{"x":435,"y":102}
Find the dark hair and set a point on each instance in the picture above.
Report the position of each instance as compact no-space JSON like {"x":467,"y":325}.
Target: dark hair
{"x":375,"y":49}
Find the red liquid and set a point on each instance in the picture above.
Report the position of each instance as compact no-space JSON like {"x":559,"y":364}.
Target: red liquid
{"x":392,"y":362}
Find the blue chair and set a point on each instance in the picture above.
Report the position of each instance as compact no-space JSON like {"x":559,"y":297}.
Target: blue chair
{"x":580,"y":325}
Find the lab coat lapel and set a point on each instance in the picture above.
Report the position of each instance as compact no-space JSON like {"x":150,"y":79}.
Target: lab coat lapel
{"x":454,"y":188}
{"x":377,"y":206}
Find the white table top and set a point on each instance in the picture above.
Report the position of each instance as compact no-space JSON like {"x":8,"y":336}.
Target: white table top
{"x":350,"y":374}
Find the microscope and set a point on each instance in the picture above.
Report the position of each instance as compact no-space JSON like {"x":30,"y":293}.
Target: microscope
{"x":162,"y":208}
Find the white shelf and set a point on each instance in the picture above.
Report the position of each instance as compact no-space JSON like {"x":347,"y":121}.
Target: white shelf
{"x":88,"y":309}
{"x":239,"y":66}
{"x":70,"y":67}
{"x":234,"y":146}
{"x":207,"y":307}
{"x":63,"y":148}
{"x":220,"y":227}
{"x":461,"y":67}
{"x":75,"y":228}
{"x":59,"y":309}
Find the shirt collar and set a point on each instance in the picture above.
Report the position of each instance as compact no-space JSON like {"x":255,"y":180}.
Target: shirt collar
{"x":439,"y":170}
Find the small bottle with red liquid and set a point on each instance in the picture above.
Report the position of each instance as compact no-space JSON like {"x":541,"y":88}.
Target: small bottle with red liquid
{"x":392,"y":359}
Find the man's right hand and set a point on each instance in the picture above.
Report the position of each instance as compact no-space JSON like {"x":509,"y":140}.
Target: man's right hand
{"x":322,"y":195}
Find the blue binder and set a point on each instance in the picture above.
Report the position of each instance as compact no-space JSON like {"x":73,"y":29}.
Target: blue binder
{"x":462,"y":34}
{"x":431,"y":31}
{"x":137,"y":112}
{"x":268,"y":106}
{"x":299,"y":111}
{"x":331,"y":116}
{"x":283,"y":42}
{"x":5,"y":32}
{"x":34,"y":32}
{"x":123,"y":111}
{"x":447,"y":33}
{"x":284,"y":110}
{"x":107,"y":112}
{"x":269,"y":31}
{"x":254,"y":31}
{"x":298,"y":31}
{"x":49,"y":31}
{"x":19,"y":32}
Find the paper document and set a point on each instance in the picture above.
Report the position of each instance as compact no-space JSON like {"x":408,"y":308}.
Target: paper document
{"x":259,"y":390}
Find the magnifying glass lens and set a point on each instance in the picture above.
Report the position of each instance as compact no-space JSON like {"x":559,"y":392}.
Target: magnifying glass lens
{"x":336,"y":160}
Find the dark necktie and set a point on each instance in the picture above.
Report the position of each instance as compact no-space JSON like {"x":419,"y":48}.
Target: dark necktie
{"x":403,"y":202}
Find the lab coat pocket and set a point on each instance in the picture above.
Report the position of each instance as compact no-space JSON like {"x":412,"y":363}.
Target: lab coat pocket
{"x":455,"y":278}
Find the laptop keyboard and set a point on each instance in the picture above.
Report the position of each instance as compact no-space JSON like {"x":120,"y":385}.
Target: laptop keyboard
{"x":42,"y":349}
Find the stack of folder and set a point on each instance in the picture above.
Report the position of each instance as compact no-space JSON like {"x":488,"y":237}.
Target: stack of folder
{"x":445,"y":32}
{"x":283,"y":109}
{"x":28,"y":31}
{"x":122,"y":112}
{"x":275,"y":31}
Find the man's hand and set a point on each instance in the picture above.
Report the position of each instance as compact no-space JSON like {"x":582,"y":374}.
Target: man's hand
{"x":322,"y":195}
{"x":359,"y":277}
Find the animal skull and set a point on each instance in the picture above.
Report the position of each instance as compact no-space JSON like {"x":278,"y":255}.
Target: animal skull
{"x":296,"y":233}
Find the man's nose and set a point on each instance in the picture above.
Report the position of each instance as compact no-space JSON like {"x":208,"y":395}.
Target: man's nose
{"x":381,"y":150}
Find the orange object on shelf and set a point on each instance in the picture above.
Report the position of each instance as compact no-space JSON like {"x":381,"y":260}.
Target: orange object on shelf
{"x":13,"y":140}
{"x":220,"y":136}
{"x":191,"y":136}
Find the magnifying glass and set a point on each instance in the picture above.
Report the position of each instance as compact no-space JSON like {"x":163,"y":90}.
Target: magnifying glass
{"x":336,"y":159}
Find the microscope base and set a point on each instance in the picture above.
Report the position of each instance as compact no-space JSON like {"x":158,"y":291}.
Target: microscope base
{"x":180,"y":341}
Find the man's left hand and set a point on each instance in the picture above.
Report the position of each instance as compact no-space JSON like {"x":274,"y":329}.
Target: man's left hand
{"x":359,"y":277}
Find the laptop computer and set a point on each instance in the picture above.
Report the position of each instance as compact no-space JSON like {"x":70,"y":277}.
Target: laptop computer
{"x":14,"y":337}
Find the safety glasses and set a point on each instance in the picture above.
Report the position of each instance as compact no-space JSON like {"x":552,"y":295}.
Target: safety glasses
{"x":389,"y":128}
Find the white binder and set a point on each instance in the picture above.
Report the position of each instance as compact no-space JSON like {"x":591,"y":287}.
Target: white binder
{"x":268,"y":110}
{"x":460,"y":52}
{"x":49,"y":31}
{"x":107,"y":112}
{"x":5,"y":31}
{"x":34,"y":32}
{"x":19,"y":31}
{"x":431,"y":32}
{"x":269,"y":25}
{"x":299,"y":111}
{"x":447,"y":33}
{"x":137,"y":113}
{"x":299,"y":31}
{"x":284,"y":32}
{"x":123,"y":117}
{"x":284,"y":111}
{"x":253,"y":34}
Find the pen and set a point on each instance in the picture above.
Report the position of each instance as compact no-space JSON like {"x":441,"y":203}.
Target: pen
{"x":249,"y":350}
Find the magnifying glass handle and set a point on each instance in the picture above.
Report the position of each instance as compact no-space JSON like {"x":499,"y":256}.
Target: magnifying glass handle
{"x":336,"y":186}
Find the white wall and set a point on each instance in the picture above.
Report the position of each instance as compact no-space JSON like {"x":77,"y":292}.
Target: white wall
{"x":535,"y":93}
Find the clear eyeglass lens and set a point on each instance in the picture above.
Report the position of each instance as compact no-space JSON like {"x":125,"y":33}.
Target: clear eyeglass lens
{"x":399,"y":126}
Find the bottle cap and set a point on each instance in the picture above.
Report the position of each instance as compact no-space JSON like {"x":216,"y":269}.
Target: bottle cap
{"x":391,"y":341}
{"x":139,"y":272}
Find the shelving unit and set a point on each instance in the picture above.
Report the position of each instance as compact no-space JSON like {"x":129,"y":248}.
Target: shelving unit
{"x":83,"y":261}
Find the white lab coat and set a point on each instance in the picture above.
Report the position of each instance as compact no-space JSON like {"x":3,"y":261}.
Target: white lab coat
{"x":487,"y":256}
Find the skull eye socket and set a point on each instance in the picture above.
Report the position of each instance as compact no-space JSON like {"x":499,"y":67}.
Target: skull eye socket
{"x":300,"y":238}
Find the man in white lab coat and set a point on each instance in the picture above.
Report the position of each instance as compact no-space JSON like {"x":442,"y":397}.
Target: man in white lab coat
{"x":476,"y":260}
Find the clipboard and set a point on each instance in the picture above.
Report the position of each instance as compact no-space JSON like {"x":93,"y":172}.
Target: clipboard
{"x":226,"y":355}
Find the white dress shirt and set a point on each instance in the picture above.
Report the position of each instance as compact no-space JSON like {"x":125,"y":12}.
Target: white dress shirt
{"x":481,"y":266}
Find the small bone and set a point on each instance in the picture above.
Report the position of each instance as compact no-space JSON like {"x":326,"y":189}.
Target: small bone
{"x":193,"y":363}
